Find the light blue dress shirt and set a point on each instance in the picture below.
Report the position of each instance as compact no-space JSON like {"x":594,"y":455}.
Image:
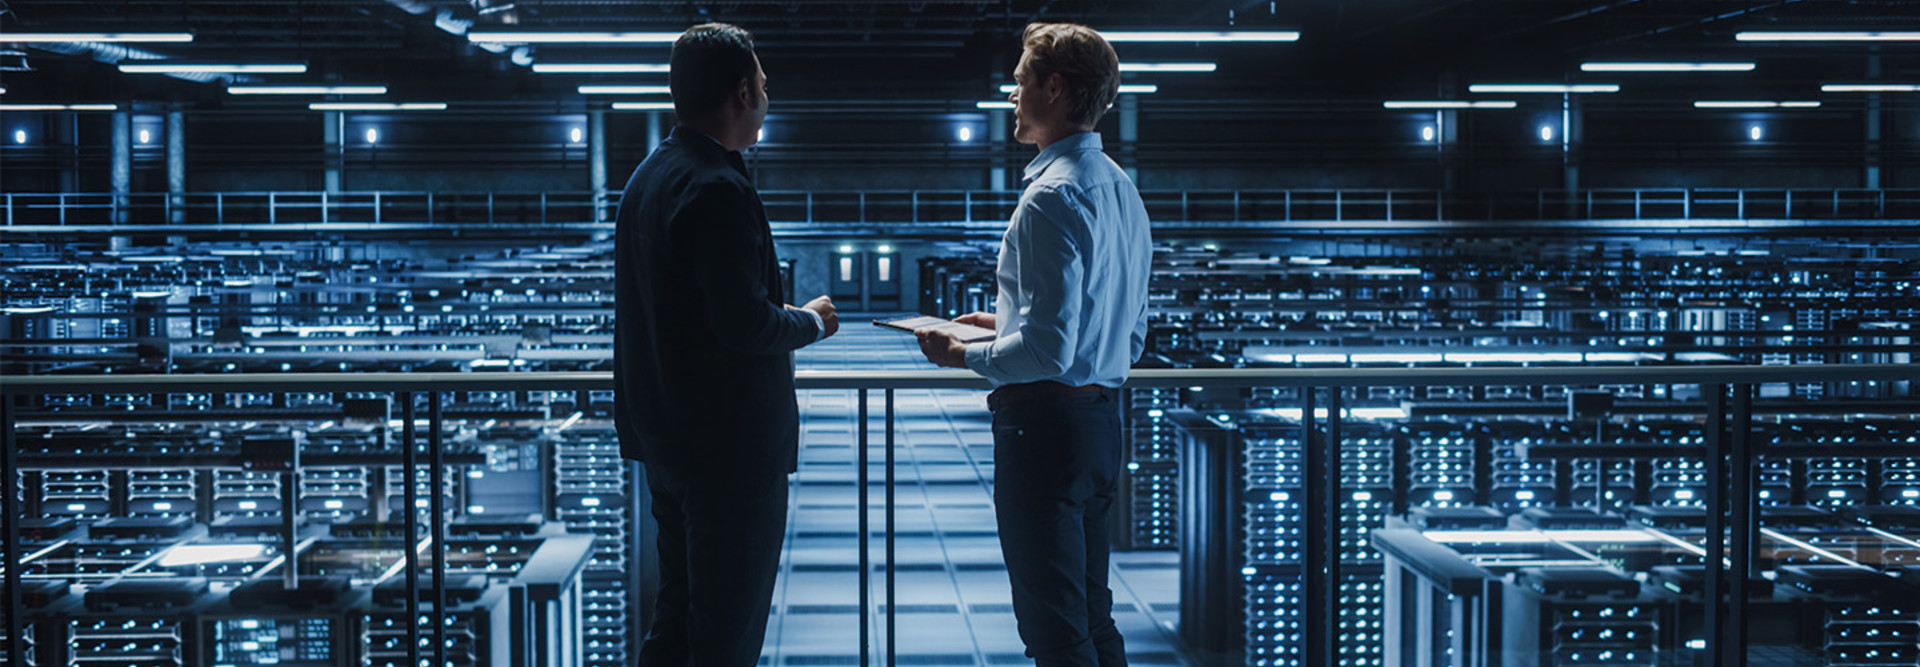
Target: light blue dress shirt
{"x":1073,"y":274}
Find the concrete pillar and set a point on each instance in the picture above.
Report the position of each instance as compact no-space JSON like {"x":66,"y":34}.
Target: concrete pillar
{"x":653,"y":131}
{"x":333,"y":128}
{"x":122,"y":174}
{"x":176,"y":166}
{"x":1446,"y":125}
{"x":1569,"y":140}
{"x":997,"y":122}
{"x":1129,"y":108}
{"x":597,"y":161}
{"x":1871,"y":177}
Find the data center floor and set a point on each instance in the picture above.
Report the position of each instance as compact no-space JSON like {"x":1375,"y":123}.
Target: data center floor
{"x":951,"y":585}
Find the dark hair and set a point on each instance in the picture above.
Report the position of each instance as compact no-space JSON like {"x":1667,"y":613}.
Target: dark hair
{"x":707,"y":64}
{"x":1083,"y":58}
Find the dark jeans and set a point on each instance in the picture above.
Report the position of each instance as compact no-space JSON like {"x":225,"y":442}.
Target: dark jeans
{"x":720,"y":534}
{"x":1056,"y":467}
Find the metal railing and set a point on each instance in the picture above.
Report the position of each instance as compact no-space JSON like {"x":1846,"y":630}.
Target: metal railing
{"x":1726,"y":397}
{"x":963,"y":206}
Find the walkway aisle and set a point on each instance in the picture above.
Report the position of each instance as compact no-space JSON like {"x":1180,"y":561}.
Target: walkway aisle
{"x":950,"y":583}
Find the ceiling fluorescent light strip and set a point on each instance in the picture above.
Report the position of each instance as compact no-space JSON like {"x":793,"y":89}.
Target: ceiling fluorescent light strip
{"x":1826,"y":36}
{"x":213,"y":68}
{"x":123,"y":37}
{"x":600,"y":68}
{"x":1201,"y":36}
{"x":625,"y":90}
{"x":377,"y":106}
{"x":1869,"y":88}
{"x":307,"y":90}
{"x":643,"y":106}
{"x":59,"y":107}
{"x":1543,"y":88}
{"x":1125,"y":88}
{"x":992,"y":105}
{"x":572,"y":37}
{"x":1450,"y":104}
{"x":1168,"y":67}
{"x":1752,"y":104}
{"x":1666,"y":67}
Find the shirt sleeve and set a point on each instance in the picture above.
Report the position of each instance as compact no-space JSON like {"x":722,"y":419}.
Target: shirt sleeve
{"x":1139,"y":336}
{"x":819,"y":324}
{"x":729,"y":246}
{"x":1051,"y":279}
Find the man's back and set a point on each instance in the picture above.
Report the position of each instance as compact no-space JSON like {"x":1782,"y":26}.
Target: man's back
{"x":703,"y":343}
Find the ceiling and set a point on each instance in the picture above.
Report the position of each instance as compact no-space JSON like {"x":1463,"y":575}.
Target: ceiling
{"x":1352,"y":52}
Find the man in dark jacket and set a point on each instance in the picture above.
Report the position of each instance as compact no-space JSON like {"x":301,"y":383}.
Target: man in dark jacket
{"x":703,"y":359}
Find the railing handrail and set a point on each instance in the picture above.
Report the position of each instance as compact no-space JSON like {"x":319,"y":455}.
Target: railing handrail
{"x":959,"y":379}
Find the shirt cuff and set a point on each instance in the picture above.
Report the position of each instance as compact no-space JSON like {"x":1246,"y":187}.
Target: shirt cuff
{"x":819,"y":324}
{"x":976,"y":357}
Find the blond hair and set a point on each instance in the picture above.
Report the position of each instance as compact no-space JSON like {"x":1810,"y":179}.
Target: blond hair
{"x":1080,"y":56}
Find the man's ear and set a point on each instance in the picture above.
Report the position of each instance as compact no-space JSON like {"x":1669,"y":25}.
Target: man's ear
{"x":743,"y":93}
{"x":1056,"y":87}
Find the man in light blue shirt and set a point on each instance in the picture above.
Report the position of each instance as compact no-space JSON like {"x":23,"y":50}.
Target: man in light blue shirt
{"x":1071,"y":319}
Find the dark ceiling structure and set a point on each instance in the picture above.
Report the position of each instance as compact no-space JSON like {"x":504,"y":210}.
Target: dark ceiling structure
{"x":1349,"y":52}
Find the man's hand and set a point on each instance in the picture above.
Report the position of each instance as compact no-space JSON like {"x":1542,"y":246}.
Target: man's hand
{"x":942,"y":348}
{"x":828,"y":315}
{"x":978,"y":319}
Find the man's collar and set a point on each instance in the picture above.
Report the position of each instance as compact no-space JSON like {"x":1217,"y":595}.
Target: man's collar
{"x":701,"y":142}
{"x":1073,"y":143}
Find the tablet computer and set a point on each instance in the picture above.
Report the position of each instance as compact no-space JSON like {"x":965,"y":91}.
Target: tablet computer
{"x":967,"y":333}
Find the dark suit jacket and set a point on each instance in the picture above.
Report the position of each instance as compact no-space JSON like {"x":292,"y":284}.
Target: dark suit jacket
{"x":703,"y":345}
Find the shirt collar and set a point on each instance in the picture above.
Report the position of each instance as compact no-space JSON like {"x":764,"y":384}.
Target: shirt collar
{"x":1084,"y":141}
{"x":699,"y":141}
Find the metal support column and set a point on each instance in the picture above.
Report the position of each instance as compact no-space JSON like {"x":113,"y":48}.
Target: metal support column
{"x":409,"y":542}
{"x":1314,"y":513}
{"x":121,"y":176}
{"x":176,"y":166}
{"x":866,"y":566}
{"x":1746,"y":518}
{"x":1129,"y":110}
{"x":892,"y":614}
{"x":997,"y":136}
{"x":10,"y":538}
{"x":437,"y":524}
{"x":1716,"y":566}
{"x":333,"y":131}
{"x":597,"y":161}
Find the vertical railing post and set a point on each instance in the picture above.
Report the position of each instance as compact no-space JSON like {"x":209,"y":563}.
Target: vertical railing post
{"x":1314,"y":533}
{"x":1330,"y":581}
{"x":376,"y":207}
{"x":326,"y":210}
{"x":1339,"y":206}
{"x":866,"y":567}
{"x":10,"y":538}
{"x":1716,"y":566}
{"x":892,"y":614}
{"x":410,"y":542}
{"x":436,"y":522}
{"x":273,"y":208}
{"x":220,"y":207}
{"x":1745,"y":521}
{"x":1740,"y":204}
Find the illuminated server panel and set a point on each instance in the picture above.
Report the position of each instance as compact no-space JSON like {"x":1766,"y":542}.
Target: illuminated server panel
{"x":592,"y":499}
{"x":1275,"y":602}
{"x":1153,"y":468}
{"x":1275,"y":543}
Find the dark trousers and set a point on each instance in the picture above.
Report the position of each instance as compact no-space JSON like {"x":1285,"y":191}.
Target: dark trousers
{"x":1056,"y":467}
{"x":720,"y":534}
